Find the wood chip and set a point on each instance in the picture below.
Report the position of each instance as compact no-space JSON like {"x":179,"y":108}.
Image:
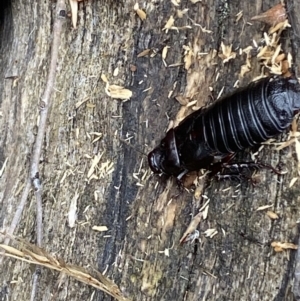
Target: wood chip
{"x":118,"y":92}
{"x":293,"y":181}
{"x":188,"y":57}
{"x":169,"y":24}
{"x":140,"y":12}
{"x":227,"y":53}
{"x":100,"y":228}
{"x":211,"y":232}
{"x":115,"y":91}
{"x":264,"y":207}
{"x":281,"y":246}
{"x":272,"y":215}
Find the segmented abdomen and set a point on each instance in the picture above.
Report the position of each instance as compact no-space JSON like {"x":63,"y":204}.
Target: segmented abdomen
{"x":247,"y":117}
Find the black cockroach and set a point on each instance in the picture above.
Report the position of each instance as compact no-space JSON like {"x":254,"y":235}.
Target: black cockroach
{"x":245,"y":118}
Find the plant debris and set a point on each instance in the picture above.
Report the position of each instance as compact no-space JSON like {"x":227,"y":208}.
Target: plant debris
{"x":281,"y":246}
{"x":140,"y":12}
{"x":116,"y":91}
{"x":32,"y":254}
{"x":273,"y":16}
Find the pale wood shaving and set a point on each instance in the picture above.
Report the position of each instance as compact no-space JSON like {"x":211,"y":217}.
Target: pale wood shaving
{"x":264,"y":207}
{"x":74,"y":12}
{"x":72,"y":214}
{"x":181,"y":13}
{"x":210,"y":232}
{"x":293,"y":181}
{"x":169,"y":24}
{"x":100,"y":228}
{"x":144,"y":53}
{"x":142,"y":15}
{"x":191,"y":227}
{"x":164,"y":54}
{"x":227,"y":53}
{"x":239,"y":15}
{"x":95,"y":162}
{"x":116,"y":91}
{"x":272,"y":214}
{"x":188,"y":57}
{"x":281,"y":246}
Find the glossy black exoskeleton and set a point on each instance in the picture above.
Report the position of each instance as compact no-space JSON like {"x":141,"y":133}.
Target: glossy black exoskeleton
{"x":245,"y":118}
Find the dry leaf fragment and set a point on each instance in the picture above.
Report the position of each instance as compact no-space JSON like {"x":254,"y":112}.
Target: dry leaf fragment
{"x":74,"y":12}
{"x":281,"y":246}
{"x":273,"y":16}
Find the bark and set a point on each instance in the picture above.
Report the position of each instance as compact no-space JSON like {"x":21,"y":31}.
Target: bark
{"x":140,"y":251}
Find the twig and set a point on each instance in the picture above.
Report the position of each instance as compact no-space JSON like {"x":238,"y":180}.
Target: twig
{"x":44,"y":105}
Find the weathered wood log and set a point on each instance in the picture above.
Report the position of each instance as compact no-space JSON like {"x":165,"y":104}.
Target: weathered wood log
{"x":141,"y":250}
